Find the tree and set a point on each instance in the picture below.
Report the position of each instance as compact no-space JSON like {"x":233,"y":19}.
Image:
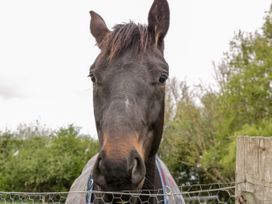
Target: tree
{"x":245,"y":96}
{"x":33,"y":161}
{"x":188,"y":133}
{"x":202,"y":124}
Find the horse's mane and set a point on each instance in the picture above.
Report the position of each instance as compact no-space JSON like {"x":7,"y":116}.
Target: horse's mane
{"x":125,"y":36}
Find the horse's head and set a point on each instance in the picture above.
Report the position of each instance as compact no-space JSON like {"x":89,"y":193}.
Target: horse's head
{"x":128,"y":95}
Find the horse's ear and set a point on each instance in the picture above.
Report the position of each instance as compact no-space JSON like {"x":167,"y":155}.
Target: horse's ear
{"x":158,"y":21}
{"x":98,"y":27}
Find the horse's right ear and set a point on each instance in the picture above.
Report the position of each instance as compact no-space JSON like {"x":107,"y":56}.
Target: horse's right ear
{"x":98,"y":28}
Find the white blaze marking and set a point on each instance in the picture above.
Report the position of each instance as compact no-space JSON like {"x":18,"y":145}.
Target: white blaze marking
{"x":127,"y":103}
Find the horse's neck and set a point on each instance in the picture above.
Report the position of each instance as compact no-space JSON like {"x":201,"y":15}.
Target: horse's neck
{"x":152,"y":180}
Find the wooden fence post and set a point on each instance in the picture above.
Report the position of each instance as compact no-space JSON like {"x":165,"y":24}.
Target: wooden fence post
{"x":254,"y":170}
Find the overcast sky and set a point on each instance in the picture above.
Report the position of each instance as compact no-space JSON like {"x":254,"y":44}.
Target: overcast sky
{"x":46,"y":51}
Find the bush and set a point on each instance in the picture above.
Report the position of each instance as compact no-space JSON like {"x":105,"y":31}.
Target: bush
{"x":37,"y":162}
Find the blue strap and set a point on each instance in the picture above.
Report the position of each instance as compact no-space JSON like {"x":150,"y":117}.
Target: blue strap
{"x":89,"y":190}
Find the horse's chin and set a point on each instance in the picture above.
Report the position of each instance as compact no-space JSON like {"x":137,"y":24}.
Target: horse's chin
{"x":120,"y":188}
{"x":115,"y":198}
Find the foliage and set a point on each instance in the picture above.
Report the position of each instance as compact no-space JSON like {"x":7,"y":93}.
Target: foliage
{"x":200,"y":136}
{"x":37,"y":162}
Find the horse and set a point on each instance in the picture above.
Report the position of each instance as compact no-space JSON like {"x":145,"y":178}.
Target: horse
{"x":128,"y":78}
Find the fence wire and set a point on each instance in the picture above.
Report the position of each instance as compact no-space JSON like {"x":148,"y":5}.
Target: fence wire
{"x":216,"y":193}
{"x":192,"y":194}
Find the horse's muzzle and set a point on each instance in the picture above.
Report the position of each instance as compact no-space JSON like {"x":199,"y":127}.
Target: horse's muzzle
{"x":119,"y":174}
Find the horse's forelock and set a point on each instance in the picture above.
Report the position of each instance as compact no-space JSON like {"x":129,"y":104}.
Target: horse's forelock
{"x":125,"y":36}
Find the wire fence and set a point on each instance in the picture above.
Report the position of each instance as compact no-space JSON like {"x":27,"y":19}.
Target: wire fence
{"x":217,"y":193}
{"x":192,"y":194}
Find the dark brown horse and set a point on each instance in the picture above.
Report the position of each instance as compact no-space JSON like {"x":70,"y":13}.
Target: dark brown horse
{"x":128,"y":79}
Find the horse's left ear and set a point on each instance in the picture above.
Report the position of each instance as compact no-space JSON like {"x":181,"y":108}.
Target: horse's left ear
{"x":158,"y":21}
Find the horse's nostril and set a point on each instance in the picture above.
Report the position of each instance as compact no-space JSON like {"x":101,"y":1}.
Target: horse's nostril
{"x":135,"y":165}
{"x":137,"y":168}
{"x":98,"y":176}
{"x":99,"y":165}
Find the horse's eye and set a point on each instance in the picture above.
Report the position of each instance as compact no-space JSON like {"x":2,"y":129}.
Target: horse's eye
{"x":163,"y":78}
{"x":91,"y":75}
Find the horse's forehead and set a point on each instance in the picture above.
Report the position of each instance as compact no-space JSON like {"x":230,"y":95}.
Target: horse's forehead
{"x":122,"y":63}
{"x":129,"y":60}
